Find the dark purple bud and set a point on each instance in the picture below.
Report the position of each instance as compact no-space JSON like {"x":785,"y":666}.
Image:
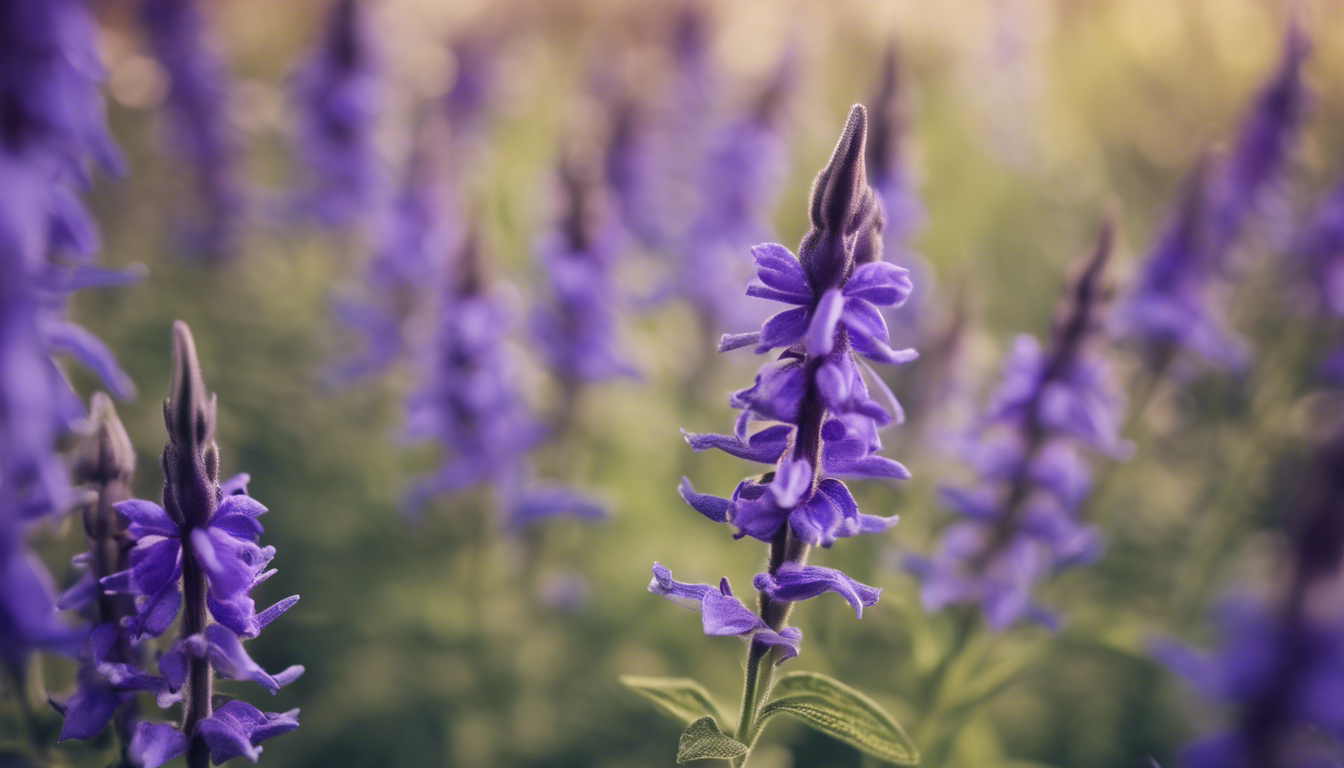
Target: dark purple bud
{"x":844,"y":213}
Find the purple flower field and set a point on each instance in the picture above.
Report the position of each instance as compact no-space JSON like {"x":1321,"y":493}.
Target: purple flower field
{"x":369,"y":368}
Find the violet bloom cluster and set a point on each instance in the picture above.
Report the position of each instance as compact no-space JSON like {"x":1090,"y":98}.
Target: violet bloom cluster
{"x":1281,"y":667}
{"x":51,"y":126}
{"x":108,"y":679}
{"x":1169,"y":311}
{"x":197,"y":556}
{"x":337,"y":90}
{"x":198,"y":119}
{"x":902,"y":210}
{"x":1019,"y":520}
{"x":1261,"y":154}
{"x":410,"y":238}
{"x":823,"y":422}
{"x":1319,"y":265}
{"x":739,"y":182}
{"x":469,"y":403}
{"x":576,"y":325}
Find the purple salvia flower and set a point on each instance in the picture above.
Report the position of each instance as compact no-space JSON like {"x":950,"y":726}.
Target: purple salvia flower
{"x":1169,"y":311}
{"x":738,"y":185}
{"x":110,"y":674}
{"x":1282,"y":665}
{"x":627,"y":162}
{"x":197,"y":554}
{"x":410,"y":239}
{"x":1259,"y":157}
{"x":724,"y":614}
{"x":1019,"y":522}
{"x":198,"y":119}
{"x":337,"y":90}
{"x":816,"y":389}
{"x":1319,"y":254}
{"x":49,"y":77}
{"x":576,"y":325}
{"x":470,"y":405}
{"x":888,"y":168}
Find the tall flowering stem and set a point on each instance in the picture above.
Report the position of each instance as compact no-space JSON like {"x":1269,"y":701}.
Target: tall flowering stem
{"x":1020,"y":518}
{"x":109,"y":674}
{"x":51,"y":126}
{"x":576,"y":324}
{"x":470,"y":404}
{"x":197,"y":555}
{"x":824,"y":426}
{"x":1279,"y":669}
{"x":198,"y":117}
{"x":337,"y":90}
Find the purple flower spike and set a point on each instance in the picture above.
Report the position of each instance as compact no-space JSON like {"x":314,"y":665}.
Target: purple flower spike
{"x":469,"y":403}
{"x":1169,"y":311}
{"x":337,"y":93}
{"x":576,"y":325}
{"x":1019,"y":521}
{"x":198,"y":120}
{"x":197,"y":551}
{"x":825,"y":423}
{"x":1262,"y":152}
{"x":1281,"y":666}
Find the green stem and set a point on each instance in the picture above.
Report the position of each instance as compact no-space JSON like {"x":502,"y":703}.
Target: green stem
{"x":760,"y":674}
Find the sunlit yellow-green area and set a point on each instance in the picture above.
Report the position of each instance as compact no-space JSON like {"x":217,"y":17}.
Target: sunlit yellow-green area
{"x":441,"y":642}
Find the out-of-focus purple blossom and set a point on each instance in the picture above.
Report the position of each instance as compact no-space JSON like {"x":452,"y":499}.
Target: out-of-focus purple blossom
{"x":1262,"y":151}
{"x":889,"y":170}
{"x":1319,"y":254}
{"x":1019,"y":520}
{"x":576,"y":324}
{"x":198,"y":555}
{"x":1281,"y":668}
{"x":469,"y":404}
{"x":1169,"y":310}
{"x":198,"y":119}
{"x":467,"y":102}
{"x":50,"y":105}
{"x":817,"y":390}
{"x":410,"y":240}
{"x":337,"y":90}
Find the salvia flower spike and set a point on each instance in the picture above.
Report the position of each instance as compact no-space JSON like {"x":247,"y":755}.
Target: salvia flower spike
{"x":198,"y":119}
{"x":1169,"y":313}
{"x":1261,"y":154}
{"x":337,"y":90}
{"x":470,"y":404}
{"x":576,"y":326}
{"x":111,"y":672}
{"x":197,"y":555}
{"x":827,"y":422}
{"x":1020,"y":519}
{"x":1279,"y":668}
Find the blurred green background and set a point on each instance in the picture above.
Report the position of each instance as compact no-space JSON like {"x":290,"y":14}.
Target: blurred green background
{"x":432,"y":643}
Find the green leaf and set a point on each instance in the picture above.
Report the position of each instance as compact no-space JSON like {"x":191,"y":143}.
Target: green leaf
{"x":703,"y":739}
{"x":839,"y":711}
{"x":680,"y":697}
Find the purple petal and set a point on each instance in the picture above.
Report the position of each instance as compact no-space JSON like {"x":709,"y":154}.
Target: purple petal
{"x":780,"y":269}
{"x":793,"y":479}
{"x":713,"y":507}
{"x":880,"y":282}
{"x":821,"y":331}
{"x":147,"y":518}
{"x":154,"y":563}
{"x":688,"y":595}
{"x":793,"y":582}
{"x":156,"y":743}
{"x":89,"y":710}
{"x":725,"y":615}
{"x":784,"y":329}
{"x":231,"y":564}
